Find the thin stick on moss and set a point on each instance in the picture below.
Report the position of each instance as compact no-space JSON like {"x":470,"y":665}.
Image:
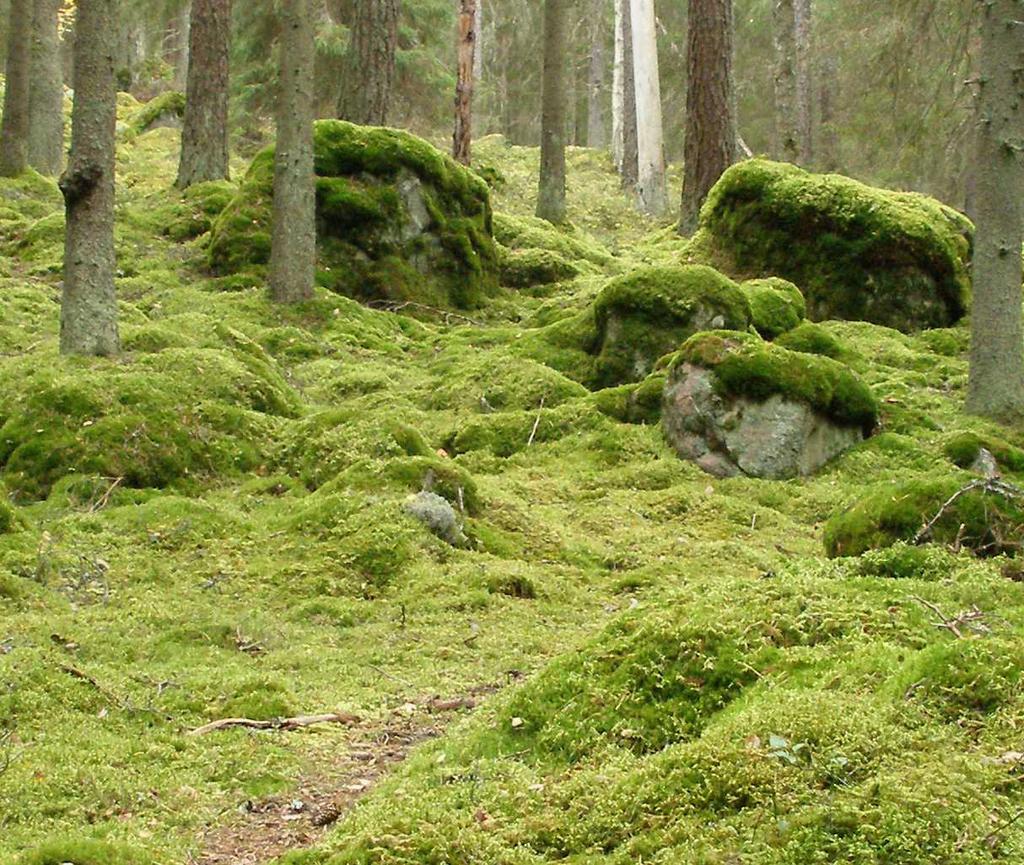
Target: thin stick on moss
{"x":399,"y":305}
{"x":536,"y":423}
{"x":974,"y":619}
{"x":295,"y":723}
{"x":987,"y":485}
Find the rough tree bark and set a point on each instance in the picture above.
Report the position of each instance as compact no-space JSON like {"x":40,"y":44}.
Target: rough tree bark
{"x":551,"y":192}
{"x":204,"y":138}
{"x":996,"y":381}
{"x":293,"y":239}
{"x":463,"y":138}
{"x":371,"y":62}
{"x":787,"y":135}
{"x":630,"y":166}
{"x":618,"y":77}
{"x":595,"y":91}
{"x":652,"y":195}
{"x":804,"y":84}
{"x":46,"y":91}
{"x":710,"y":146}
{"x":88,"y":319}
{"x":14,"y":129}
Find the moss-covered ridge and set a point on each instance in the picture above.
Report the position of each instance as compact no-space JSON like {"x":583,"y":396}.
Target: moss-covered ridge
{"x":744,"y":365}
{"x":858,"y":253}
{"x":396,"y":219}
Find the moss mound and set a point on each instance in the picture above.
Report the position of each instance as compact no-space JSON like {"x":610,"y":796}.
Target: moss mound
{"x":397,"y":219}
{"x":744,"y":365}
{"x":859,"y":253}
{"x":9,"y":519}
{"x":987,"y":522}
{"x":529,"y":232}
{"x":84,"y":852}
{"x":776,"y":306}
{"x":646,"y":314}
{"x":964,"y":448}
{"x":199,"y":206}
{"x":166,"y":108}
{"x":151,"y":421}
{"x":525,"y":268}
{"x":810,"y":338}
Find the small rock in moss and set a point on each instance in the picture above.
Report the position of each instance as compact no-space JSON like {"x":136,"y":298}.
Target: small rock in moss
{"x":776,"y":305}
{"x":438,"y":516}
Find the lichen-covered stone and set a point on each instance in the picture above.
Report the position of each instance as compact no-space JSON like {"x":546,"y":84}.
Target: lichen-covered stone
{"x":646,"y":314}
{"x":396,"y":220}
{"x":776,"y":305}
{"x":858,"y":253}
{"x":734,"y":404}
{"x":438,"y":516}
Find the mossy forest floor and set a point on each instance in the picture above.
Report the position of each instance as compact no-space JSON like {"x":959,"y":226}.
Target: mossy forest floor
{"x":664,"y":667}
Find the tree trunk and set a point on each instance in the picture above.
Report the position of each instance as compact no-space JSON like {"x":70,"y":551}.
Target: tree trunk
{"x":827,"y":133}
{"x":178,"y":37}
{"x":804,"y":85}
{"x":371,"y":62}
{"x":15,"y":127}
{"x":463,"y":138}
{"x":88,"y":320}
{"x":551,"y":194}
{"x":478,"y":42}
{"x":204,"y":138}
{"x":996,"y":382}
{"x":46,"y":91}
{"x":710,"y":146}
{"x":652,"y":195}
{"x":630,"y":166}
{"x":293,"y":242}
{"x":595,"y":91}
{"x":787,"y":135}
{"x":618,"y":79}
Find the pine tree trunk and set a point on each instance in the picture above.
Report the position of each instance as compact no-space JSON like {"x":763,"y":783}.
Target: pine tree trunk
{"x":204,"y":138}
{"x":88,"y":321}
{"x":371,"y":62}
{"x":595,"y":92}
{"x":804,"y":84}
{"x":652,"y":195}
{"x":710,"y":146}
{"x":551,"y":193}
{"x":293,"y":241}
{"x":630,"y":166}
{"x":787,"y":135}
{"x":618,"y":85}
{"x":996,"y":382}
{"x":827,"y":134}
{"x":463,"y":138}
{"x":46,"y":91}
{"x":15,"y":127}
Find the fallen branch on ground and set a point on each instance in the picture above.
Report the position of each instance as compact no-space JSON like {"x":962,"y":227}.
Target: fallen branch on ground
{"x":295,"y":723}
{"x":399,"y":305}
{"x":988,"y":485}
{"x":972,"y":619}
{"x":536,"y":423}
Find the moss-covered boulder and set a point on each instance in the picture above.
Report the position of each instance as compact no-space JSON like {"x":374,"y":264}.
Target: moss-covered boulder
{"x":858,"y":253}
{"x":646,"y":314}
{"x":985,"y":520}
{"x":526,"y":268}
{"x":167,"y":109}
{"x":397,"y":220}
{"x":965,"y":450}
{"x":810,"y":338}
{"x":776,"y":305}
{"x":735,"y":404}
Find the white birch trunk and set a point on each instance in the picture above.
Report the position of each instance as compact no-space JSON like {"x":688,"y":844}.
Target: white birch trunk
{"x":618,"y":81}
{"x":478,"y":44}
{"x":651,"y":191}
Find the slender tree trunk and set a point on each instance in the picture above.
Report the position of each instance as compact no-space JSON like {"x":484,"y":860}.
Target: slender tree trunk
{"x":827,"y":134}
{"x":463,"y":138}
{"x":88,"y":320}
{"x":46,"y":91}
{"x":204,"y":138}
{"x":551,"y":194}
{"x":996,"y":381}
{"x":710,"y":146}
{"x":618,"y":86}
{"x":15,"y":127}
{"x":371,"y":62}
{"x":787,"y":135}
{"x":804,"y":85}
{"x":178,"y":37}
{"x":630,"y":165}
{"x":652,"y":195}
{"x":478,"y":42}
{"x":595,"y":93}
{"x":293,"y":242}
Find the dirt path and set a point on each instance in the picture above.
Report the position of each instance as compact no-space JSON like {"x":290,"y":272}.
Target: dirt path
{"x":265,"y":829}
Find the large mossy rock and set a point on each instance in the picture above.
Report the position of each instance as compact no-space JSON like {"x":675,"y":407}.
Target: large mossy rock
{"x":858,"y":253}
{"x":987,"y":521}
{"x":646,"y":314}
{"x":397,"y":219}
{"x":735,"y":404}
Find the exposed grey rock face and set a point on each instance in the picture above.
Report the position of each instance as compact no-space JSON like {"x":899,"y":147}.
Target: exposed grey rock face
{"x":728,"y":436}
{"x":438,"y":516}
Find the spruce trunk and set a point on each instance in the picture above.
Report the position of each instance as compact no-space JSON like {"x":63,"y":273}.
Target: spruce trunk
{"x":710,"y":146}
{"x":204,"y":137}
{"x":293,"y":240}
{"x":630,"y":166}
{"x":618,"y":85}
{"x":46,"y":91}
{"x":551,"y":193}
{"x":371,"y":62}
{"x":787,"y":136}
{"x":996,"y":382}
{"x":15,"y":126}
{"x":463,"y":138}
{"x":595,"y":93}
{"x":88,"y":322}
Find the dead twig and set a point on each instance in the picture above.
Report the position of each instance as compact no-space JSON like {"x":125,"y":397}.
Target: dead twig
{"x":536,"y":423}
{"x":972,"y":619}
{"x":295,"y":723}
{"x":398,"y":305}
{"x":103,"y":500}
{"x":994,"y":486}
